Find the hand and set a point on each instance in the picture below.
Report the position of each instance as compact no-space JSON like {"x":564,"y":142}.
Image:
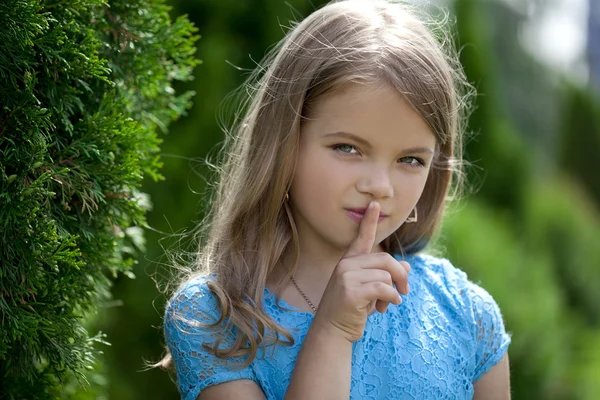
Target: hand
{"x":361,"y":282}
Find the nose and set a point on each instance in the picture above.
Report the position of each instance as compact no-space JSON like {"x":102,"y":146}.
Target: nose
{"x":376,"y":182}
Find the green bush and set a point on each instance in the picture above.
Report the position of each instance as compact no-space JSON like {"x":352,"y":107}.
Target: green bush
{"x":84,"y":87}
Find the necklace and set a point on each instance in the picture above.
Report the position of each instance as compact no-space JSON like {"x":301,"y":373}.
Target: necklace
{"x":303,"y":295}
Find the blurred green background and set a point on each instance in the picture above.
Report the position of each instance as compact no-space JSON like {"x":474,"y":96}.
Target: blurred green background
{"x":530,"y":234}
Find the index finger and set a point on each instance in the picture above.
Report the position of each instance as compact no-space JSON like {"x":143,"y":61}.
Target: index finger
{"x":367,"y":230}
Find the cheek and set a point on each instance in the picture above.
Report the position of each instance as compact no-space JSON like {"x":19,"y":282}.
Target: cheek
{"x":317,"y":173}
{"x":419,"y":184}
{"x":409,"y":188}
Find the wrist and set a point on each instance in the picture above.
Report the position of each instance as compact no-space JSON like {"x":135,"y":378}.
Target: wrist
{"x":327,"y":330}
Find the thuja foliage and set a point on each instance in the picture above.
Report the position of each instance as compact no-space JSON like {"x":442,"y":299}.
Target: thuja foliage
{"x":85,"y":88}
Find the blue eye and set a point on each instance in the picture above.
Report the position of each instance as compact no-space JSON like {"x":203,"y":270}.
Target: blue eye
{"x":413,"y":162}
{"x":344,"y":148}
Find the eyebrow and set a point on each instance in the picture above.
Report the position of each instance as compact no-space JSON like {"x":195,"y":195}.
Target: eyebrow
{"x":358,"y":139}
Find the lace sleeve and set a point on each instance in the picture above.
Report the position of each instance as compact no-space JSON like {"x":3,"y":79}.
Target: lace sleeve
{"x":196,"y":367}
{"x":482,"y":318}
{"x":490,"y":334}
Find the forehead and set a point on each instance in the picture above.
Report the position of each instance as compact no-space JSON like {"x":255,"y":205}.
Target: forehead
{"x":376,"y":112}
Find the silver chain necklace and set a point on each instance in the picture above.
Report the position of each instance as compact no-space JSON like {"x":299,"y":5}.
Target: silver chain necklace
{"x":304,"y":295}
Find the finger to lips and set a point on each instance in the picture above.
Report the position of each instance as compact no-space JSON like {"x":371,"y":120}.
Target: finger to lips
{"x":367,"y":231}
{"x":363,"y":244}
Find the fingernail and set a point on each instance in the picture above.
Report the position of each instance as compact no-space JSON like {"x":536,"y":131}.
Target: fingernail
{"x":399,"y":300}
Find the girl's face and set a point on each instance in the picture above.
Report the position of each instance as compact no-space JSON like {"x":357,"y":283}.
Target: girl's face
{"x":360,"y":143}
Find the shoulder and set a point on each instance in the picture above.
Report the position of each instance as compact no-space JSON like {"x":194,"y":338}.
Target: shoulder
{"x":195,"y":334}
{"x":470,"y":306}
{"x":192,"y":301}
{"x":194,"y":291}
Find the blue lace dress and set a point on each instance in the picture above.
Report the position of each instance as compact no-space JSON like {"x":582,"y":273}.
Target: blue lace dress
{"x":443,"y":337}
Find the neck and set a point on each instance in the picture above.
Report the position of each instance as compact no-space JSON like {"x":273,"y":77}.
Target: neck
{"x":315,"y":267}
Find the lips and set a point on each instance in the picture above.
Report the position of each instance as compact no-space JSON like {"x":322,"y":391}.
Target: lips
{"x":364,"y":210}
{"x":357,"y":214}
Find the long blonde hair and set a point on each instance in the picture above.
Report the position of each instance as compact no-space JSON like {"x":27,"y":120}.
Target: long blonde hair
{"x":251,"y":230}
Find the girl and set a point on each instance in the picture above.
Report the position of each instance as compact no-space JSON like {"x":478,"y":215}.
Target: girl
{"x":335,"y":181}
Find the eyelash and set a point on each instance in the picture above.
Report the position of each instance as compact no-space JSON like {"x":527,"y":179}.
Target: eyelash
{"x":420,"y":161}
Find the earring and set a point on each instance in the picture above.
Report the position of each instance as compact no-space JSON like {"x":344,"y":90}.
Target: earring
{"x":286,"y":197}
{"x":414,"y":218}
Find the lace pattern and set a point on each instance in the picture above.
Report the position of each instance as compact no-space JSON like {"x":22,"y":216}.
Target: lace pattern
{"x":443,"y":337}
